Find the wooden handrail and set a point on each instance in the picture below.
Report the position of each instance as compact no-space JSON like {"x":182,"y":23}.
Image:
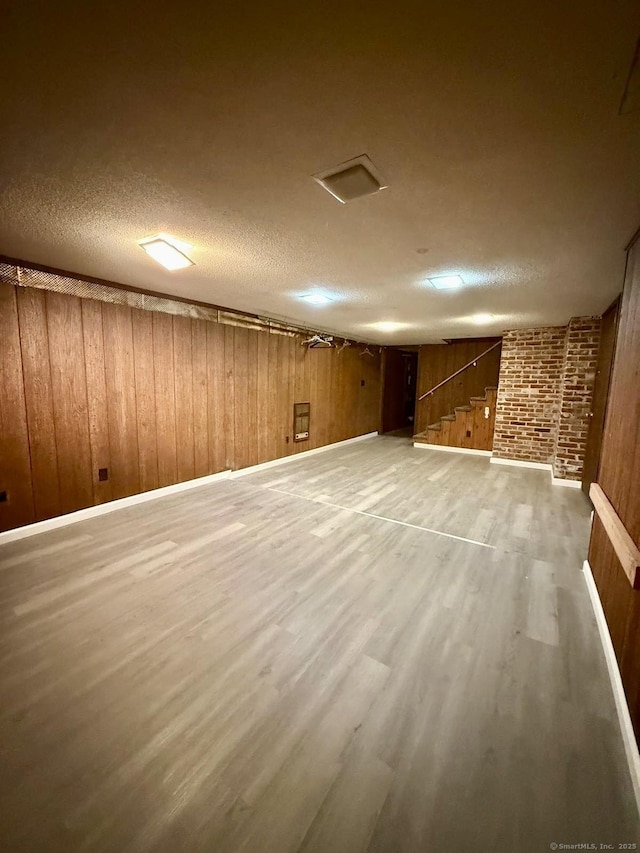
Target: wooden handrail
{"x":473,"y":361}
{"x":624,"y":546}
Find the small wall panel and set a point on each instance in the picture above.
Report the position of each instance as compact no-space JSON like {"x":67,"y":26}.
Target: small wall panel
{"x":263,"y":403}
{"x":200,"y":401}
{"x":216,"y":397}
{"x":165,"y":385}
{"x":124,"y":473}
{"x":144,"y":374}
{"x":183,"y":366}
{"x":34,"y":343}
{"x":243,"y":430}
{"x":96,"y":399}
{"x":15,"y":467}
{"x":229,"y":396}
{"x":69,"y":394}
{"x":252,"y":397}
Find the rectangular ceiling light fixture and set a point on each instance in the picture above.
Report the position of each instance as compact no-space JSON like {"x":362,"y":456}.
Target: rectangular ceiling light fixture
{"x":446,"y":282}
{"x":165,"y":253}
{"x":351,"y":180}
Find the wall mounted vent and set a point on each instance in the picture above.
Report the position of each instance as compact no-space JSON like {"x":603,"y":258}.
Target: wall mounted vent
{"x":351,"y":180}
{"x":301,"y":417}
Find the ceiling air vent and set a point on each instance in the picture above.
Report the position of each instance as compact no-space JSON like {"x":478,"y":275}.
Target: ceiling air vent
{"x":351,"y":180}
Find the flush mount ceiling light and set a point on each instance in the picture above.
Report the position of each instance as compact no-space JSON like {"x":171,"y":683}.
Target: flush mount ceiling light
{"x":162,"y":250}
{"x":480,"y":319}
{"x":315,"y":298}
{"x":351,"y":180}
{"x":388,"y":326}
{"x":446,"y":282}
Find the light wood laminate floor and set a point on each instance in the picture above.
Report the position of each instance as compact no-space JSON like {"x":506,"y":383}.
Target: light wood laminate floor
{"x":295,"y":660}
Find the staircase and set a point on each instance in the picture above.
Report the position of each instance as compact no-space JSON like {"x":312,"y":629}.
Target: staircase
{"x":469,"y":426}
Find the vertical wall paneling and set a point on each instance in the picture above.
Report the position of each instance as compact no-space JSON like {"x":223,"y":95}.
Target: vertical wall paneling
{"x":200,"y":398}
{"x":252,"y":397}
{"x":165,"y":398}
{"x":183,"y":371}
{"x":39,"y":401}
{"x":121,"y":400}
{"x":241,"y":427}
{"x":15,"y":468}
{"x":216,"y":397}
{"x":229,"y":396}
{"x":96,"y":399}
{"x":263,"y":406}
{"x":272,"y":391}
{"x":143,"y":366}
{"x":154,"y":399}
{"x":69,"y":393}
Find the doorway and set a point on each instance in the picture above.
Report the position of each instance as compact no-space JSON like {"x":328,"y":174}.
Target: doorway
{"x":399,"y":394}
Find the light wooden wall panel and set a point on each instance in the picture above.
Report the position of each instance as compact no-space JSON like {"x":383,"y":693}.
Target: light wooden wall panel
{"x":69,"y":392}
{"x":183,"y":367}
{"x":15,"y":467}
{"x":34,"y":343}
{"x":165,"y":385}
{"x":146,"y":422}
{"x":124,"y":473}
{"x":155,"y":399}
{"x":97,"y":410}
{"x":200,"y":399}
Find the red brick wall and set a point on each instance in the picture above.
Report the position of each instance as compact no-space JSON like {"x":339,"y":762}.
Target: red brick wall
{"x":544,"y":395}
{"x":528,"y":404}
{"x":580,"y":363}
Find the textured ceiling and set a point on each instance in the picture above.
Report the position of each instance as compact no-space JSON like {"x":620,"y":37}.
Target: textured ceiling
{"x":495,"y":126}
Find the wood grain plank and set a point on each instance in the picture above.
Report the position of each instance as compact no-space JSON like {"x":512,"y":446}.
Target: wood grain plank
{"x":144,"y":377}
{"x":15,"y":463}
{"x":252,"y":396}
{"x":183,"y":366}
{"x":242,"y":430}
{"x":117,"y":330}
{"x":229,"y":397}
{"x":200,"y":399}
{"x":69,"y":393}
{"x":34,"y":346}
{"x":216,"y":397}
{"x":96,"y":399}
{"x":263,"y":399}
{"x":165,"y":399}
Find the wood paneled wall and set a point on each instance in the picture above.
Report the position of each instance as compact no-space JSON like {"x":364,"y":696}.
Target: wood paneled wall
{"x":154,"y":398}
{"x":438,"y":361}
{"x":619,"y":476}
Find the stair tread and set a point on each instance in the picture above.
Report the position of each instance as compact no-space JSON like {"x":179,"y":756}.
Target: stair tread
{"x":463,"y":408}
{"x":434,"y":426}
{"x":448,"y":418}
